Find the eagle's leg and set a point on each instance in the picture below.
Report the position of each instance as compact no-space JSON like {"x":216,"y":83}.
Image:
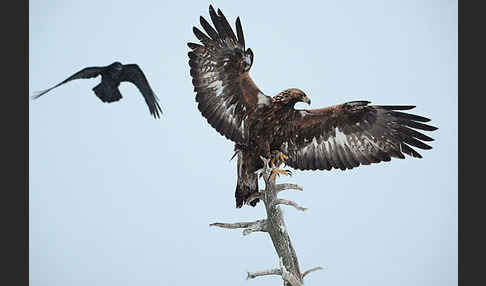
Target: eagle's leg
{"x":278,"y":158}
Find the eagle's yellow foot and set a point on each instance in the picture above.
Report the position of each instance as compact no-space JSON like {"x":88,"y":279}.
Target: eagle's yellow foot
{"x":279,"y":172}
{"x":278,"y":158}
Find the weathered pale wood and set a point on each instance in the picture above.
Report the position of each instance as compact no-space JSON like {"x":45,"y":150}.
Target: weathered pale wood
{"x":249,"y":227}
{"x":290,"y":203}
{"x":311,"y":270}
{"x":277,"y":229}
{"x":274,"y":225}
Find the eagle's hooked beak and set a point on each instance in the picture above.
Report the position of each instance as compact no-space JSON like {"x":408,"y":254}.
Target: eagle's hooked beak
{"x":307,"y":100}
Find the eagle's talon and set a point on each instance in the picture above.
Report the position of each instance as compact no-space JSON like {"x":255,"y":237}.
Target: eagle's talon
{"x":282,"y":172}
{"x":278,"y":158}
{"x":236,"y":153}
{"x":283,"y":157}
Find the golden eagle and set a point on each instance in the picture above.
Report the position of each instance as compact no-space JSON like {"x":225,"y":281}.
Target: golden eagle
{"x":111,"y":77}
{"x":342,"y":136}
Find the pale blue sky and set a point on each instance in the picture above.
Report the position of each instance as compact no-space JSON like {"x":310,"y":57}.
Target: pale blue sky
{"x":118,"y":198}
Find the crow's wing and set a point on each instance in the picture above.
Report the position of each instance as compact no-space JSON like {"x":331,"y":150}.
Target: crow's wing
{"x":84,"y":73}
{"x":132,"y":73}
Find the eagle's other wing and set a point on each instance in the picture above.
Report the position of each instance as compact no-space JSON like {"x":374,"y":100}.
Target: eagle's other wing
{"x":84,"y":73}
{"x":132,"y":73}
{"x":347,"y":135}
{"x":225,"y":92}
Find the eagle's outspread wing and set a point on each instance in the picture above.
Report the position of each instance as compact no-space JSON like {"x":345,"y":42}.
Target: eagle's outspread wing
{"x":89,"y":72}
{"x":132,"y":73}
{"x":347,"y":135}
{"x":225,"y":92}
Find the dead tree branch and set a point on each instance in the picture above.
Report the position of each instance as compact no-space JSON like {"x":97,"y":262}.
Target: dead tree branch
{"x":278,"y":231}
{"x":253,"y":275}
{"x":282,"y":187}
{"x":290,"y":277}
{"x":290,"y":203}
{"x":274,"y":225}
{"x":311,"y":270}
{"x":282,"y":271}
{"x":249,"y":227}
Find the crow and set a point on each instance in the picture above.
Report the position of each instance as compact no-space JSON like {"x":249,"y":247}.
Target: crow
{"x":111,"y":77}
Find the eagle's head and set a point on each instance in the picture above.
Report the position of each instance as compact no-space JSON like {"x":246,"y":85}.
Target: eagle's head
{"x":291,"y":96}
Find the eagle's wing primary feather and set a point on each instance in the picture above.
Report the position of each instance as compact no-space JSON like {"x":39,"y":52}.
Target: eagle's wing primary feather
{"x":347,"y":135}
{"x":89,"y":72}
{"x":219,"y":67}
{"x":132,"y":73}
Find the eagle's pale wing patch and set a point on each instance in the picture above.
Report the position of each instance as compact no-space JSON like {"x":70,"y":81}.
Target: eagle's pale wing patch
{"x":219,"y":67}
{"x":348,"y":135}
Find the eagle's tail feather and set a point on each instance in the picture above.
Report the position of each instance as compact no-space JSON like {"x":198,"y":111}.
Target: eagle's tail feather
{"x":242,"y":193}
{"x":247,"y":182}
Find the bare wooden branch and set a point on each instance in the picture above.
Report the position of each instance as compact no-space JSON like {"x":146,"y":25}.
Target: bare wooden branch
{"x":277,"y":230}
{"x":259,"y":225}
{"x":311,"y":270}
{"x":290,"y":203}
{"x":249,"y":227}
{"x":232,"y":225}
{"x":253,"y":275}
{"x":287,"y":276}
{"x":274,"y":225}
{"x":282,"y":187}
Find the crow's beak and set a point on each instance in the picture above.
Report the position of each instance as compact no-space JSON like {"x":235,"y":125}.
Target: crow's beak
{"x":307,"y":100}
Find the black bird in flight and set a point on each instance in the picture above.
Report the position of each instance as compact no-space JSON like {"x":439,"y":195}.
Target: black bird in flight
{"x":111,"y":77}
